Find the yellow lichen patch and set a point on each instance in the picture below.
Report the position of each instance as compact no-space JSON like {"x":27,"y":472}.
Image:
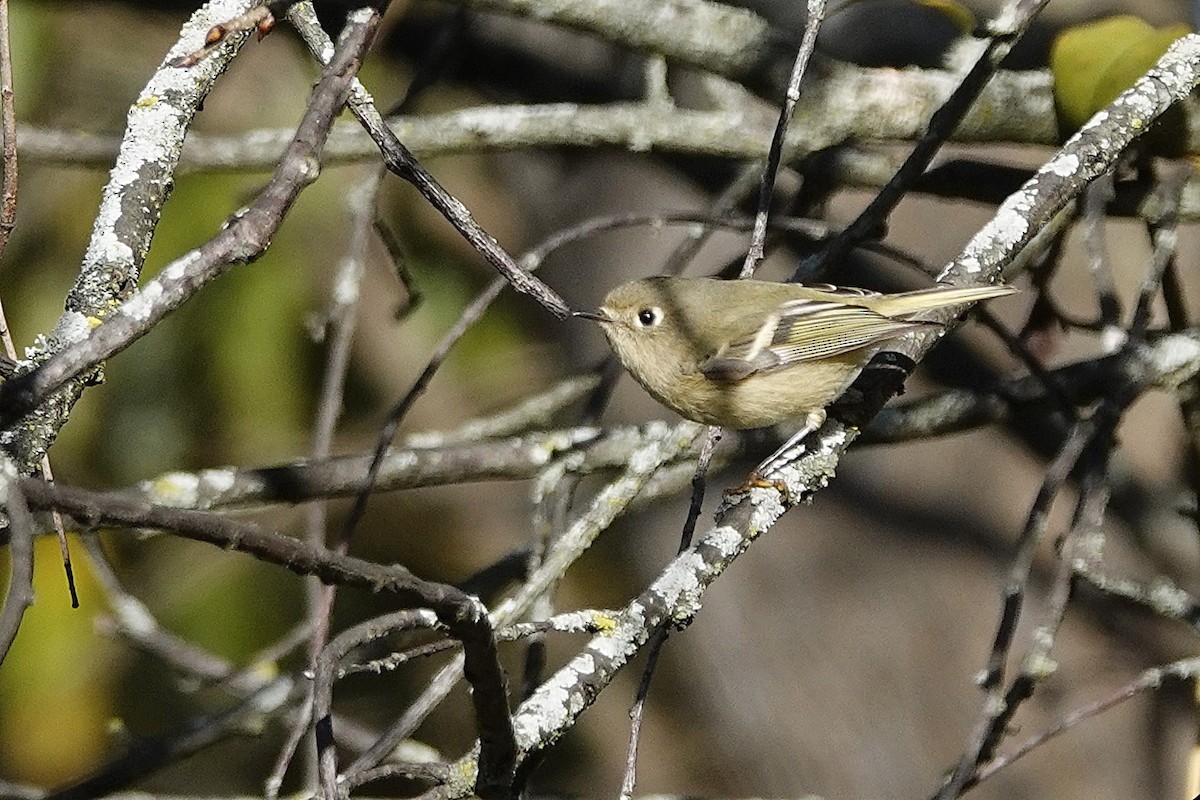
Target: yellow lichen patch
{"x":604,"y":623}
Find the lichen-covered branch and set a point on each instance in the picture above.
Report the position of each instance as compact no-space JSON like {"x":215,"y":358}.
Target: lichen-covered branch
{"x":130,"y":207}
{"x":92,"y":332}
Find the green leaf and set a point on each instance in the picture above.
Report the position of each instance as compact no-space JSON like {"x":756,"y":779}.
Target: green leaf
{"x":1093,"y":63}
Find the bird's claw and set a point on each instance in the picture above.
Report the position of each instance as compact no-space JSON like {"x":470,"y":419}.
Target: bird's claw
{"x":755,"y":480}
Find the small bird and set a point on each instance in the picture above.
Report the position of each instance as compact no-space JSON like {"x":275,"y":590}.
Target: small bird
{"x":748,"y":354}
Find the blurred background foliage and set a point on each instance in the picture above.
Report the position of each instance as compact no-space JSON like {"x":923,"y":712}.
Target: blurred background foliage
{"x":232,"y":378}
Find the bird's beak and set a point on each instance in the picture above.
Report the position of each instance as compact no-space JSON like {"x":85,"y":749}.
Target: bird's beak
{"x":594,"y":316}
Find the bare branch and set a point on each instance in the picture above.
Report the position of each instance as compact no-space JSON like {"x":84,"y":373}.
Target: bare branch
{"x":20,"y":575}
{"x":129,"y":211}
{"x":97,"y":333}
{"x":401,"y":161}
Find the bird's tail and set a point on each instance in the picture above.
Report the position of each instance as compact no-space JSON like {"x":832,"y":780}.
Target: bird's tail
{"x":903,"y":305}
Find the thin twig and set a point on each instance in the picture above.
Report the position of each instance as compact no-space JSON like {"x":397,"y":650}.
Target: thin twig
{"x":325,"y":673}
{"x":636,"y":712}
{"x":1007,"y":27}
{"x":426,"y":772}
{"x":258,"y":19}
{"x":19,"y":596}
{"x":1160,"y":596}
{"x":1090,"y":444}
{"x":711,"y":436}
{"x":241,"y":241}
{"x":1037,"y":664}
{"x":8,"y":123}
{"x":341,"y":317}
{"x":1184,"y":669}
{"x":982,"y":738}
{"x":137,"y":624}
{"x":1096,"y":199}
{"x":8,"y":220}
{"x":552,"y":495}
{"x":401,"y":161}
{"x":812,"y":24}
{"x":1165,"y":239}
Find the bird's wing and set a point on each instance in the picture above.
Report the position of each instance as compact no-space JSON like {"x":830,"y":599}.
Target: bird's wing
{"x":804,"y":330}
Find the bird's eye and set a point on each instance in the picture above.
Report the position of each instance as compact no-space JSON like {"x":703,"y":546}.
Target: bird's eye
{"x":649,"y":317}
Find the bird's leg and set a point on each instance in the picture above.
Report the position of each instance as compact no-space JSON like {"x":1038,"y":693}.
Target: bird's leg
{"x":781,"y":457}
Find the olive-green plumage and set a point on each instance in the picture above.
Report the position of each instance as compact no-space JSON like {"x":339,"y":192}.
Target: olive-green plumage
{"x":747,"y":354}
